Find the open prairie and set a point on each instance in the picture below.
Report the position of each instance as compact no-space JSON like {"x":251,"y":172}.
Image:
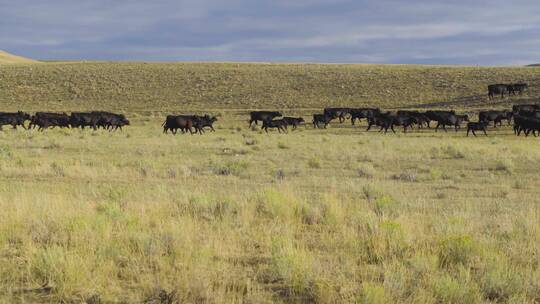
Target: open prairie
{"x":241,"y":216}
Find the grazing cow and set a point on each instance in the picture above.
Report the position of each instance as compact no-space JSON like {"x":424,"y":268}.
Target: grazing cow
{"x":496,"y":89}
{"x":319,"y":119}
{"x":339,"y":113}
{"x":14,"y":119}
{"x":175,"y":122}
{"x":255,"y":116}
{"x":518,"y":88}
{"x":363,"y":113}
{"x":436,"y":115}
{"x":278,"y":124}
{"x":495,"y":116}
{"x":293,"y":121}
{"x":477,"y":126}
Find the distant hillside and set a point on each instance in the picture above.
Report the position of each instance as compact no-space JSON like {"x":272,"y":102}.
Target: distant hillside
{"x":7,"y":58}
{"x":177,"y":86}
{"x":534,"y":65}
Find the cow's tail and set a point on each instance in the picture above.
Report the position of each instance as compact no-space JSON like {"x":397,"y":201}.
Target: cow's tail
{"x":163,"y":124}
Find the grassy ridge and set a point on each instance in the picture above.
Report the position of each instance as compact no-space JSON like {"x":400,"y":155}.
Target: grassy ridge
{"x":6,"y":58}
{"x":178,"y":86}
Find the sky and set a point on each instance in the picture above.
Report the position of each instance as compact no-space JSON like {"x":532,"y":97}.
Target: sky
{"x":473,"y":32}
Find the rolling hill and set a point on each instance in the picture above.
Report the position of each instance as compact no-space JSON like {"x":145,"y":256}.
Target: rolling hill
{"x":178,"y":86}
{"x":7,"y":58}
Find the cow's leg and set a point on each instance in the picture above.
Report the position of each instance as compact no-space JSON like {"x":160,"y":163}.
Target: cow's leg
{"x":392,"y":127}
{"x":468,"y":129}
{"x":473,"y":133}
{"x":484,"y":129}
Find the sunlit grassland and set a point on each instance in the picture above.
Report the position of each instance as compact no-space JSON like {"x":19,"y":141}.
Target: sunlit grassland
{"x":335,"y":215}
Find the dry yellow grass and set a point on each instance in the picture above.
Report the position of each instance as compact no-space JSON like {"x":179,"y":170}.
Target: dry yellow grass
{"x":240,"y":216}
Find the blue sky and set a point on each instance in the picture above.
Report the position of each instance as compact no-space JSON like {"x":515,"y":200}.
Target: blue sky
{"x":363,"y":31}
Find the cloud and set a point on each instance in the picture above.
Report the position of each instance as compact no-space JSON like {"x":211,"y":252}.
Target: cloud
{"x":384,"y":31}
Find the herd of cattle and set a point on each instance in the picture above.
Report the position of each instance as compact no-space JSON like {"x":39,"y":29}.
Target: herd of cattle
{"x":526,"y":119}
{"x":45,"y":120}
{"x":510,"y":89}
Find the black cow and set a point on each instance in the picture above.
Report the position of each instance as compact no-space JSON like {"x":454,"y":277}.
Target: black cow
{"x":526,"y":124}
{"x":496,"y":89}
{"x":115,"y":123}
{"x":255,"y":116}
{"x":420,"y":118}
{"x":45,"y":120}
{"x":14,"y":119}
{"x":279,"y":124}
{"x":319,"y":119}
{"x":175,"y":122}
{"x":495,"y":116}
{"x":404,"y":120}
{"x":293,"y":121}
{"x":110,"y":121}
{"x":525,"y":107}
{"x":205,"y":122}
{"x":518,"y":88}
{"x":83,"y":119}
{"x":477,"y":126}
{"x":450,"y":120}
{"x":436,"y":115}
{"x":339,"y":113}
{"x":532,"y":114}
{"x":384,"y":120}
{"x":363,"y":113}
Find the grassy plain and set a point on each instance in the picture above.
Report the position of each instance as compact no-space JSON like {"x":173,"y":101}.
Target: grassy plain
{"x":239,"y":216}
